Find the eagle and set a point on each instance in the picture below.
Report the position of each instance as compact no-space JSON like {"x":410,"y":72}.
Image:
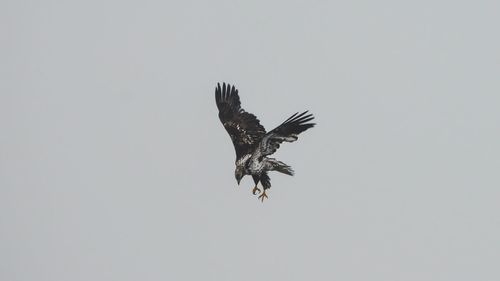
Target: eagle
{"x":252,"y":143}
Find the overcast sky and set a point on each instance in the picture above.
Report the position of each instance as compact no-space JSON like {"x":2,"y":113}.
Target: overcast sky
{"x":114,"y":165}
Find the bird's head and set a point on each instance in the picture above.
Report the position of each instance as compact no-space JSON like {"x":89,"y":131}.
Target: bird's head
{"x":238,"y":174}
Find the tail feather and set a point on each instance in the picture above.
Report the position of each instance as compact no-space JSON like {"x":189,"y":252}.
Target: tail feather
{"x":279,"y":166}
{"x":285,"y":169}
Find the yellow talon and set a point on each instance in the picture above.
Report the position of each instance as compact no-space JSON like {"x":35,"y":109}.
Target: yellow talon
{"x":263,"y":195}
{"x":255,"y":189}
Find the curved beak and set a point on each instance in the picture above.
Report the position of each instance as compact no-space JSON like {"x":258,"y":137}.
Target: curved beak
{"x":238,"y":180}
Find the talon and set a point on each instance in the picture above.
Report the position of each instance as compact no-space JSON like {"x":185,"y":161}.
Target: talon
{"x":255,"y":190}
{"x":263,"y":195}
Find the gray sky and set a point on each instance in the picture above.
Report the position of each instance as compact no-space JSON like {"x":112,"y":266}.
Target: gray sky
{"x":114,"y":166}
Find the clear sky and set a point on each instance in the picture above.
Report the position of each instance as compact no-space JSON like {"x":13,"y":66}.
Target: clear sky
{"x":114,"y":165}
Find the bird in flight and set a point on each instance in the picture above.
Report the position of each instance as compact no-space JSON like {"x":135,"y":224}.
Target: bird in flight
{"x":252,"y":143}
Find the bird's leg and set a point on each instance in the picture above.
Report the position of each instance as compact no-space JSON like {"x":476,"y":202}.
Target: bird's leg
{"x":256,"y":180}
{"x":263,"y":195}
{"x":255,"y":190}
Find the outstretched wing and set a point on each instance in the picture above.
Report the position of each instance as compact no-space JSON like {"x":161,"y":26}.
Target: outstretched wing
{"x":244,"y":128}
{"x":288,"y":131}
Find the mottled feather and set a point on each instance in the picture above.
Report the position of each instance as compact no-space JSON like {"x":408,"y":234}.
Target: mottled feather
{"x":244,"y":128}
{"x":288,"y":131}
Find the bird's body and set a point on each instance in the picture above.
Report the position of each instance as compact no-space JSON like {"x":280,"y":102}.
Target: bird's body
{"x":251,"y":165}
{"x":251,"y":142}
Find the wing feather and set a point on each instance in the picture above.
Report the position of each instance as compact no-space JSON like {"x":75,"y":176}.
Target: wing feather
{"x":288,"y":131}
{"x":244,"y":128}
